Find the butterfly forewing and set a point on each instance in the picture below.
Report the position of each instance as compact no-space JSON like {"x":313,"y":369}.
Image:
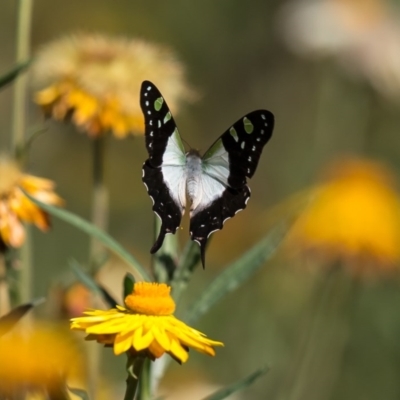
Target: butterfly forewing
{"x":161,"y":133}
{"x":226,"y":165}
{"x":243,"y":143}
{"x":164,"y":170}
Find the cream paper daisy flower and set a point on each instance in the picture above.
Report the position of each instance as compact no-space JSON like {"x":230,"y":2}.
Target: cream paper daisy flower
{"x":15,"y":206}
{"x":95,"y":80}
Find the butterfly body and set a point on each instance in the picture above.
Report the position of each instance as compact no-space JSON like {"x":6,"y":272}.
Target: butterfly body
{"x":214,"y":185}
{"x":193,"y":178}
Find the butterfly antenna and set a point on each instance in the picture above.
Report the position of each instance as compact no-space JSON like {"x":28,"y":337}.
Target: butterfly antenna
{"x":187,"y":145}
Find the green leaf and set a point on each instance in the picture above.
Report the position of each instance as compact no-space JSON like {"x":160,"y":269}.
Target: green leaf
{"x":236,"y":273}
{"x":240,"y":385}
{"x":129,"y":282}
{"x":11,"y":75}
{"x":95,"y":232}
{"x":85,"y":278}
{"x":91,"y":284}
{"x":8,"y":321}
{"x":79,"y":392}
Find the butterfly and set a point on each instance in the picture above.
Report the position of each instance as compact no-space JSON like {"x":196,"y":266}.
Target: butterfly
{"x":215,"y":183}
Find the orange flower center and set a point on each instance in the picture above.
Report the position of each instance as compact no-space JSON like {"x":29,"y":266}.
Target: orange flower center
{"x":151,"y":299}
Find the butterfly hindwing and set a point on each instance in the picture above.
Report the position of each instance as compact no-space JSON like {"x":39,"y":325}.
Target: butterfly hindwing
{"x":226,"y":165}
{"x":212,"y":218}
{"x":164,"y":171}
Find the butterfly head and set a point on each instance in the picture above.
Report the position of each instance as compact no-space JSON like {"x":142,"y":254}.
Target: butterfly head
{"x":193,"y":153}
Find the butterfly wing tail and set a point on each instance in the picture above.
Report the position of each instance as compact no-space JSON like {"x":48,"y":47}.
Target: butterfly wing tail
{"x":160,"y":240}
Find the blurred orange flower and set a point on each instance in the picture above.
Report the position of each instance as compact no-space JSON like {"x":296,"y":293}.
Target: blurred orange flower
{"x":38,"y":359}
{"x":362,"y":35}
{"x":146,"y":326}
{"x":95,"y":80}
{"x":76,"y":298}
{"x":16,"y":208}
{"x":353,"y":217}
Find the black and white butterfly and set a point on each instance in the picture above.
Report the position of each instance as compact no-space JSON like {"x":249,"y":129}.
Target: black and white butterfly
{"x":215,"y":184}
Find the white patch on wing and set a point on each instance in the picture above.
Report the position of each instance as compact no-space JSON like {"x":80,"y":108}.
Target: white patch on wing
{"x":173,"y":170}
{"x":175,"y":179}
{"x":217,"y":165}
{"x":173,"y":154}
{"x":208,"y":190}
{"x":213,"y":179}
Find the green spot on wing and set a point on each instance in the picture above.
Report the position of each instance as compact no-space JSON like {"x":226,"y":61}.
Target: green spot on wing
{"x":213,"y":149}
{"x":234,"y":134}
{"x":248,"y":126}
{"x":158,"y":103}
{"x":167,"y":117}
{"x":178,"y":140}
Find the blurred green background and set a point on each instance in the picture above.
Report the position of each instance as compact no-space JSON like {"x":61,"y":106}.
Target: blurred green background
{"x":237,"y":60}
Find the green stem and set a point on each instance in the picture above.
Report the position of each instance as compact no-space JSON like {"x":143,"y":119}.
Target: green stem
{"x":164,"y":261}
{"x":97,"y":254}
{"x":22,"y":56}
{"x":145,"y":381}
{"x":26,"y":276}
{"x":100,"y":209}
{"x":164,"y":265}
{"x":19,"y":127}
{"x":187,"y":263}
{"x":324,"y":140}
{"x":136,"y":372}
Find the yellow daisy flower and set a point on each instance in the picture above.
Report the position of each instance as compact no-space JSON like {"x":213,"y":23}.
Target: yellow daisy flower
{"x":37,"y":359}
{"x":354,"y":217}
{"x":145,"y":326}
{"x":16,"y":208}
{"x":95,"y":80}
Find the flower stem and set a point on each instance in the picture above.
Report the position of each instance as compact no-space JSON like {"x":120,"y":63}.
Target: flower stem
{"x":164,"y":265}
{"x":20,"y":87}
{"x":99,"y":202}
{"x":132,"y":381}
{"x":145,"y":381}
{"x":19,"y":127}
{"x":96,"y":252}
{"x":164,"y":261}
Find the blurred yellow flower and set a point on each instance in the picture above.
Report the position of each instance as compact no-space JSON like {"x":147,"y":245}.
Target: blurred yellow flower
{"x":146,"y":326}
{"x":95,"y":80}
{"x":354,"y":217}
{"x":362,"y":35}
{"x":16,"y":208}
{"x":38,"y":359}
